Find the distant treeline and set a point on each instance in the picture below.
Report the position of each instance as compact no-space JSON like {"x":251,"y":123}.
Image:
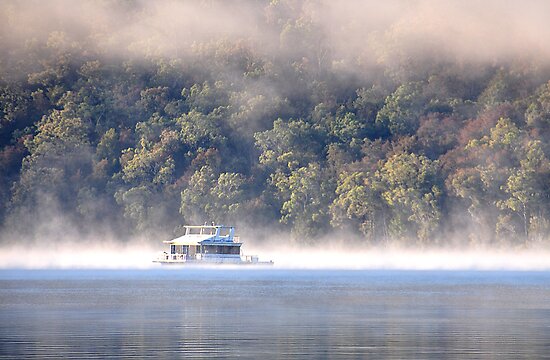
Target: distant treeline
{"x":427,"y":151}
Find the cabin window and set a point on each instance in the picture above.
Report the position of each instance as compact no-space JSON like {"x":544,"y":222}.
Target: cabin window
{"x":222,"y":249}
{"x":235,"y":250}
{"x":212,"y":249}
{"x":232,"y":250}
{"x":172,"y":249}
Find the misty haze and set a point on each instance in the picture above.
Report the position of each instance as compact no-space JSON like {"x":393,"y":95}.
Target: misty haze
{"x":391,"y":157}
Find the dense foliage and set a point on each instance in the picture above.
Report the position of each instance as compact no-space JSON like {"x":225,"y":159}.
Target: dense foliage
{"x":426,"y":152}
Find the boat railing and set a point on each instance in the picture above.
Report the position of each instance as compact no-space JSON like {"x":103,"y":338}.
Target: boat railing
{"x":179,"y":257}
{"x":172,"y":257}
{"x":250,"y":258}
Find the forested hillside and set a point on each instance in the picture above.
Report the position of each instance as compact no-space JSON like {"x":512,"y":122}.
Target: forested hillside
{"x":265,"y":117}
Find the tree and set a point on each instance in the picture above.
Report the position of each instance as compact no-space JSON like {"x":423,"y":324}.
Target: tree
{"x":151,"y":162}
{"x":58,"y":134}
{"x":205,"y":98}
{"x":348,"y":130}
{"x":138,"y":206}
{"x":198,"y":130}
{"x":526,"y":188}
{"x":228,"y":197}
{"x":490,"y":162}
{"x":306,"y":194}
{"x":290,"y":144}
{"x":437,"y":134}
{"x":499,"y":90}
{"x":60,"y":152}
{"x":402,"y":109}
{"x":481,"y":188}
{"x":359,"y":199}
{"x":538,"y":111}
{"x":213,"y":197}
{"x":412,"y":191}
{"x":109,"y":149}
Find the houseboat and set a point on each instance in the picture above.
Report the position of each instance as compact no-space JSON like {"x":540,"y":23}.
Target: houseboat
{"x":207,"y":244}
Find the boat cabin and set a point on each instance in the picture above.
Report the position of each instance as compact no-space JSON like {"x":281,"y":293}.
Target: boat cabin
{"x":207,"y":242}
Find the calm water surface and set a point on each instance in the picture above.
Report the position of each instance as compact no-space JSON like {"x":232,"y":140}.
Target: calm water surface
{"x":274,"y":314}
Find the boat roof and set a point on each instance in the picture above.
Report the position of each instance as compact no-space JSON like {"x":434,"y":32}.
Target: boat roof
{"x":208,"y":226}
{"x":193,"y":239}
{"x":196,"y":239}
{"x":206,"y":235}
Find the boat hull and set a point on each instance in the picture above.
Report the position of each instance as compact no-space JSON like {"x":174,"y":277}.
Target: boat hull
{"x":210,"y":260}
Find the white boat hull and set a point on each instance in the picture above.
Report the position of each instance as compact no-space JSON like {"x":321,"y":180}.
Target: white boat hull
{"x":177,"y":259}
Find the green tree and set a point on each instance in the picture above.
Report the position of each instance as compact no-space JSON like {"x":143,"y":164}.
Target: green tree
{"x":151,"y":162}
{"x":138,"y":206}
{"x":205,"y":98}
{"x":348,"y":130}
{"x":359,"y":199}
{"x":490,"y":162}
{"x":198,"y":130}
{"x":526,"y":188}
{"x":213,"y":197}
{"x":306,"y":195}
{"x":109,"y":150}
{"x":499,"y":90}
{"x":59,"y":152}
{"x":538,"y":111}
{"x":228,"y":197}
{"x":290,"y":144}
{"x":412,"y":191}
{"x":402,"y":109}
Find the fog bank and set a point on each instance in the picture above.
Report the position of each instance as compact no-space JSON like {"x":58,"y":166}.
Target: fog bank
{"x":474,"y":30}
{"x":118,"y":256}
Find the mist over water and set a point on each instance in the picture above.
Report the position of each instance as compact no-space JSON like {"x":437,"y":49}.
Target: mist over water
{"x":77,"y":255}
{"x":127,"y":256}
{"x":415,"y":260}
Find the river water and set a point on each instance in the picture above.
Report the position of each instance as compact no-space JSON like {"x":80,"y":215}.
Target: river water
{"x":274,"y":314}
